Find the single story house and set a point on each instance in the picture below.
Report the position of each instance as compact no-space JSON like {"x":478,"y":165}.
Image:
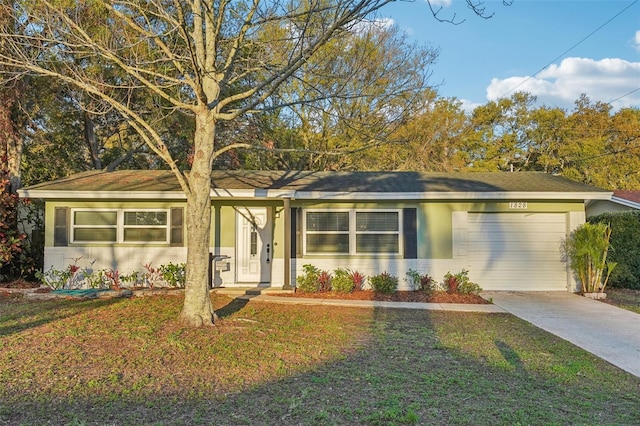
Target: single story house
{"x":620,"y":201}
{"x":505,"y":228}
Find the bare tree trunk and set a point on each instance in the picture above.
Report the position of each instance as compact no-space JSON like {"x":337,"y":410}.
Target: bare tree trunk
{"x":92,"y":142}
{"x":197,"y":309}
{"x":10,"y":144}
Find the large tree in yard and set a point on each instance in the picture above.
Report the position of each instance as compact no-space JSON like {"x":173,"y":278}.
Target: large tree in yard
{"x":212,"y":60}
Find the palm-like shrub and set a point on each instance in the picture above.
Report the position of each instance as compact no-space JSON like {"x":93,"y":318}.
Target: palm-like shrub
{"x":586,"y":250}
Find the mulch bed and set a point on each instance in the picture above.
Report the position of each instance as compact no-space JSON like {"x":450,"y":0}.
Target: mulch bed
{"x":398,"y":296}
{"x":20,"y":284}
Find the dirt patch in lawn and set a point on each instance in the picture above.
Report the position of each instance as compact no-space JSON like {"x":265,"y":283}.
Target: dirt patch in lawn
{"x":398,"y":296}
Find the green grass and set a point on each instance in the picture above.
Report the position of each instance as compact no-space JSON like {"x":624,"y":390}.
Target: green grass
{"x":130,"y":362}
{"x":624,"y":298}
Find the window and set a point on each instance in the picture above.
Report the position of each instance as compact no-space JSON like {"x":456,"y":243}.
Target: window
{"x":328,"y":232}
{"x":377,"y":232}
{"x":145,"y":226}
{"x":352,"y":231}
{"x":120,"y":226}
{"x":95,"y":225}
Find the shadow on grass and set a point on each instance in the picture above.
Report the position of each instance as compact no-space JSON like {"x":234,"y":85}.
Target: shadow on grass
{"x":17,"y":317}
{"x":510,"y":355}
{"x":235,"y":305}
{"x":412,"y":367}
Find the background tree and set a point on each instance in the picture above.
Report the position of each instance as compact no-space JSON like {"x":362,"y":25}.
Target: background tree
{"x":10,"y":121}
{"x":209,"y":60}
{"x":499,"y":140}
{"x":360,"y":87}
{"x":429,"y":141}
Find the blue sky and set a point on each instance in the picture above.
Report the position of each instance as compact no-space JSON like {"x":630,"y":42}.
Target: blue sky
{"x":482,"y":60}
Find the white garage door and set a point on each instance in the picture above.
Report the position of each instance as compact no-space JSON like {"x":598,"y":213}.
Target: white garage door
{"x":517,"y":251}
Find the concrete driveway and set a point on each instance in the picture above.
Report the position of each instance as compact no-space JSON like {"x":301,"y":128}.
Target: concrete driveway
{"x":606,"y":331}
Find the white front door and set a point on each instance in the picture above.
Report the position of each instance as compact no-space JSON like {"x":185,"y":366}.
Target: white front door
{"x":253,"y":245}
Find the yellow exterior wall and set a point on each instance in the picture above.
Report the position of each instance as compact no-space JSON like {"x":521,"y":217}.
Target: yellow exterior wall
{"x":434,"y":218}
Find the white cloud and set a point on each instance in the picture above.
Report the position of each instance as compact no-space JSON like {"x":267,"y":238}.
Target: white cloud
{"x":561,"y":85}
{"x":365,"y":26}
{"x":636,"y":40}
{"x":440,"y":3}
{"x":468,"y":106}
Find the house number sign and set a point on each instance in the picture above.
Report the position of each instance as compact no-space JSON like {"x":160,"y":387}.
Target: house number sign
{"x":518,"y":205}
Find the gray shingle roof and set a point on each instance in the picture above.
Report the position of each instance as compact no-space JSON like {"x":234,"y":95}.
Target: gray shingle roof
{"x":377,"y":182}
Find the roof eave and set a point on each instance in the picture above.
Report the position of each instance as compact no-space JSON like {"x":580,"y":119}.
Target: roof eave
{"x":102,"y":195}
{"x":217,"y":193}
{"x":625,"y":202}
{"x":315,"y":195}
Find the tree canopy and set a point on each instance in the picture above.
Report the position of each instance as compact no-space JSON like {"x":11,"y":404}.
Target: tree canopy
{"x":189,"y":85}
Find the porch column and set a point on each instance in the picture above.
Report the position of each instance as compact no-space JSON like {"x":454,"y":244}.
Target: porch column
{"x":287,"y":244}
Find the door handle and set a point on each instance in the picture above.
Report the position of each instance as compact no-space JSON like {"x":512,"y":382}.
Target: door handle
{"x":268,"y":250}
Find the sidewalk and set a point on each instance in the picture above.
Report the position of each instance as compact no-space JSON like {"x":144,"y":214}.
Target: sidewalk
{"x":457,"y":307}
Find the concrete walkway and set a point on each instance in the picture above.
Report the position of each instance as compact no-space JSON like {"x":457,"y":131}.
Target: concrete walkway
{"x":606,"y":331}
{"x":457,"y":307}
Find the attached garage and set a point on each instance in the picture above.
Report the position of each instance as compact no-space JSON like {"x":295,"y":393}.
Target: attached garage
{"x":517,"y":251}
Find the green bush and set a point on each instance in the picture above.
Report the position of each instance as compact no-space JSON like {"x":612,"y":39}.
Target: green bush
{"x":384,"y":283}
{"x":460,"y":283}
{"x":308,"y":281}
{"x":625,"y":247}
{"x":342,"y":281}
{"x":174,"y":275}
{"x":587,"y":249}
{"x":419,"y":282}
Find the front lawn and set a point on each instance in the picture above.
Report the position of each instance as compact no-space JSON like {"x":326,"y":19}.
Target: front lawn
{"x":127,"y":361}
{"x":624,"y":298}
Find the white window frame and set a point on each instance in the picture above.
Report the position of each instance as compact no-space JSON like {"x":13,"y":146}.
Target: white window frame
{"x":120,"y":226}
{"x":353,"y":232}
{"x":356,"y":232}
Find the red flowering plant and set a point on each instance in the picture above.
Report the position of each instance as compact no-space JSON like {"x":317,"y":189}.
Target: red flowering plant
{"x":11,"y":240}
{"x":113,"y":277}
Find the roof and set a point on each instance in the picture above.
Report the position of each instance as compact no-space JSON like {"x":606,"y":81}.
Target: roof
{"x":633,"y":196}
{"x":627,"y":198}
{"x":307,"y":184}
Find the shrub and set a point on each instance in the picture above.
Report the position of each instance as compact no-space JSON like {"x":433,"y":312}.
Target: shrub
{"x":342,"y":281}
{"x":324,"y":281}
{"x":308,"y":281}
{"x":359,"y":280}
{"x":76,"y":277}
{"x":450,"y":283}
{"x":460,"y":283}
{"x":419,"y":282}
{"x":174,"y":275}
{"x":11,"y":240}
{"x":625,"y":247}
{"x":131,"y":280}
{"x":384,"y":283}
{"x":586,"y":249}
{"x":151,"y":276}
